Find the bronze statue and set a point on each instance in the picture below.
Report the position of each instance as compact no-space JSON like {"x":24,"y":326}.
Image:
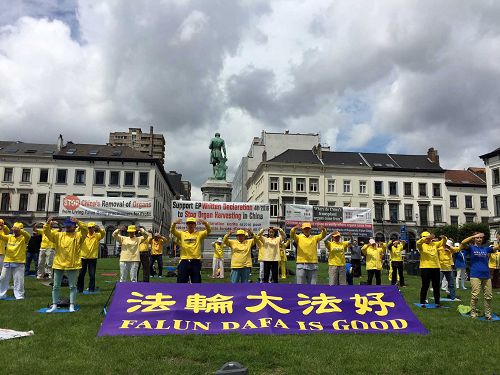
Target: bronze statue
{"x":218,"y":157}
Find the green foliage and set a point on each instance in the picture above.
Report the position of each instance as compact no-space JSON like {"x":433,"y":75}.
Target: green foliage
{"x":468,"y":229}
{"x":450,"y":231}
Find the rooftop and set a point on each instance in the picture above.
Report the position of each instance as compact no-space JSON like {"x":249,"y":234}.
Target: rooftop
{"x":463,"y":178}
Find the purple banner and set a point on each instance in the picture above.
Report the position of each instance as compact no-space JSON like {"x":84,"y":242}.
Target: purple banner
{"x":164,"y":309}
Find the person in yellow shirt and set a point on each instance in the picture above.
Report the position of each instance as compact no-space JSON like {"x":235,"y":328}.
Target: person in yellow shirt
{"x":241,"y":255}
{"x":67,"y":257}
{"x":428,"y":247}
{"x":494,"y":264}
{"x":283,"y":246}
{"x":129,"y":256}
{"x":374,"y":252}
{"x":270,"y":250}
{"x":157,"y":254}
{"x":3,"y":244}
{"x":145,"y":257}
{"x":395,"y":251}
{"x":218,"y":261}
{"x":446,"y":265}
{"x":307,"y":252}
{"x":191,"y":243}
{"x":89,"y":253}
{"x":336,"y":259}
{"x":46,"y":256}
{"x":15,"y":257}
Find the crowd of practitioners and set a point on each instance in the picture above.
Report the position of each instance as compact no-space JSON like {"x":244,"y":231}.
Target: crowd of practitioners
{"x":72,"y":248}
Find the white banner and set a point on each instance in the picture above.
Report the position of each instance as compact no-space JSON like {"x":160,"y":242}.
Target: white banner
{"x":101,"y":207}
{"x":223,"y":216}
{"x":6,"y":334}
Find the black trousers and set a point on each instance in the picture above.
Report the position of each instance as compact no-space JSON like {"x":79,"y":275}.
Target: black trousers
{"x":145,"y":266}
{"x":378,"y":279}
{"x":356,"y":267}
{"x":272,"y":268}
{"x":397,"y":268}
{"x":189,"y":270}
{"x":430,"y":275}
{"x":91,"y":265}
{"x":159,"y":259}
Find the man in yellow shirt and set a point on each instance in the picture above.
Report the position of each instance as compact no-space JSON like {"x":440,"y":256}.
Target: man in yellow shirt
{"x":446,"y":265}
{"x":89,"y":253}
{"x":218,"y":261}
{"x":494,"y":265}
{"x":129,"y":256}
{"x":336,"y":259}
{"x":15,"y":257}
{"x":145,"y":257}
{"x":395,"y":250}
{"x":241,"y":255}
{"x":191,"y":243}
{"x":157,"y":254}
{"x":3,"y":244}
{"x":428,"y":247}
{"x":46,"y":256}
{"x":374,"y":252}
{"x":307,"y":252}
{"x":67,"y":257}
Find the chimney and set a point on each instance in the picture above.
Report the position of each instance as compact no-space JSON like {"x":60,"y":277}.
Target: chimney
{"x":264,"y":156}
{"x":433,"y":155}
{"x":151,"y":141}
{"x":60,"y":142}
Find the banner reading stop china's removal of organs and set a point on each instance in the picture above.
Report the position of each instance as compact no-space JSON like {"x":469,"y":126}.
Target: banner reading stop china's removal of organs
{"x":224,"y":216}
{"x":100,"y":207}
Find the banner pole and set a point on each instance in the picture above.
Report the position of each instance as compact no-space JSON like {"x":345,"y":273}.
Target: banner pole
{"x":104,"y":310}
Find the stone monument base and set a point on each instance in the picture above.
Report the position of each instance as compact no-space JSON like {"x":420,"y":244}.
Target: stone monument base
{"x":217,"y":191}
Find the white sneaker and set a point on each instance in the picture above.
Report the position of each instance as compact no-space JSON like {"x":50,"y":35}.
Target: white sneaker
{"x":464,"y":288}
{"x":71,"y":308}
{"x":53,"y":308}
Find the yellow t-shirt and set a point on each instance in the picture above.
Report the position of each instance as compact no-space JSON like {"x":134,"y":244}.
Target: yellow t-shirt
{"x":395,"y":251}
{"x":130,"y":246}
{"x":190,"y":243}
{"x":336,"y":252}
{"x":67,"y":247}
{"x":284,"y":245}
{"x":90,"y":247}
{"x":494,"y":260}
{"x":307,"y":247}
{"x":157,"y":246}
{"x":144,"y":245}
{"x":241,"y":252}
{"x":429,"y":254}
{"x":46,"y":243}
{"x":3,"y":243}
{"x":446,"y":258}
{"x":269,"y":250}
{"x":373,"y":256}
{"x":218,"y":250}
{"x":15,"y":251}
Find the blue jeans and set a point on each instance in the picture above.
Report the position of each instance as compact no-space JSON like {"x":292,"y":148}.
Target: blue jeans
{"x":31,"y":257}
{"x":451,"y":283}
{"x":240,"y":275}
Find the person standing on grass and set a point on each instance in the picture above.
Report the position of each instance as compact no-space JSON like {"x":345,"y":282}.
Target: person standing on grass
{"x":241,"y":255}
{"x":145,"y":258}
{"x":395,"y":250}
{"x":307,"y":252}
{"x":33,"y":250}
{"x":67,"y":257}
{"x":479,"y":273}
{"x":283,"y":246}
{"x":374,"y":254}
{"x":218,"y":260}
{"x":191,"y":243}
{"x":157,"y":253}
{"x":429,"y":265}
{"x":355,"y":259}
{"x":89,"y":253}
{"x":129,"y":256}
{"x":446,"y":265}
{"x":15,"y":257}
{"x":460,"y":266}
{"x":336,"y":259}
{"x":3,"y":244}
{"x":270,"y":248}
{"x":47,"y":252}
{"x":494,"y":265}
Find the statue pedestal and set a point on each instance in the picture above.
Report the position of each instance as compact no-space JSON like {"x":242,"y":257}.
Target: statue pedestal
{"x":217,"y":190}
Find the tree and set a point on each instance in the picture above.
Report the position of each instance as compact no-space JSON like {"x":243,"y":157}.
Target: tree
{"x":450,"y":231}
{"x":468,"y":229}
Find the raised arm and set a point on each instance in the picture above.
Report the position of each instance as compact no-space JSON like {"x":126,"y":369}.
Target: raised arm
{"x":173,"y":229}
{"x":465,"y":243}
{"x":293,"y":233}
{"x":225,"y":240}
{"x":26,"y":235}
{"x":47,"y":231}
{"x":208,"y":229}
{"x":116,"y":235}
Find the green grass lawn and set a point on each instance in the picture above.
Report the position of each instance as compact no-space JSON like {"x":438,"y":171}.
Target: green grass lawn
{"x":68,"y":343}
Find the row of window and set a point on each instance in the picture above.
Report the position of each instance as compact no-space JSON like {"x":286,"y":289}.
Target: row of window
{"x":114,"y":177}
{"x":483,"y":202}
{"x":313,"y":186}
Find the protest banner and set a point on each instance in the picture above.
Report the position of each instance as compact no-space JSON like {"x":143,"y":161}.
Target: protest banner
{"x":224,"y":216}
{"x":101,"y":207}
{"x":347,"y":220}
{"x":162,"y":309}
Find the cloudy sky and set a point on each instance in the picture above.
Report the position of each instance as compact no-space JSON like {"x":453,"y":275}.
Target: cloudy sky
{"x":381,"y":76}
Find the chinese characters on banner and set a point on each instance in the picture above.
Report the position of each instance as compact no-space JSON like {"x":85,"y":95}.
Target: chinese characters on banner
{"x":354,"y":220}
{"x":224,"y":216}
{"x":164,"y":309}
